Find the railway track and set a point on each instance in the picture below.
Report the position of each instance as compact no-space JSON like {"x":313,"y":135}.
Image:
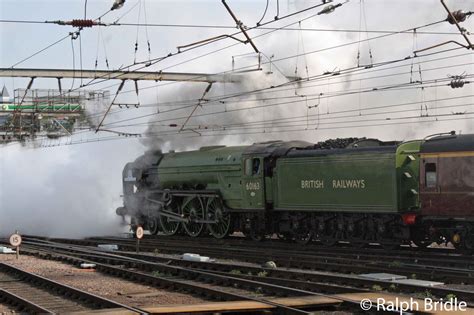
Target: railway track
{"x":207,"y":284}
{"x":448,"y":256}
{"x":31,"y":293}
{"x":270,"y":282}
{"x":446,"y":267}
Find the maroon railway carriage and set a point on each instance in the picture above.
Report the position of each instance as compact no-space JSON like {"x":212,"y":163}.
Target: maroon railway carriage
{"x":447,"y":190}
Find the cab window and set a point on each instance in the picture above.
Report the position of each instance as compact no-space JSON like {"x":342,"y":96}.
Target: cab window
{"x":256,"y":166}
{"x":252,"y":166}
{"x":430,"y":175}
{"x":248,"y":167}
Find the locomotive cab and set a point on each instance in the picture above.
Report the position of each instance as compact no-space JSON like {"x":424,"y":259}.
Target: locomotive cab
{"x":253,"y":183}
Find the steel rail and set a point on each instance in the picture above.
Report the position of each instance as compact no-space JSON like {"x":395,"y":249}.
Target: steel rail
{"x":423,"y":272}
{"x":339,"y":279}
{"x":314,"y":276}
{"x":440,"y":258}
{"x":427,"y":268}
{"x":311,"y":277}
{"x":26,"y":304}
{"x":221,"y":279}
{"x":457,"y":258}
{"x":72,"y":293}
{"x":184,"y":273}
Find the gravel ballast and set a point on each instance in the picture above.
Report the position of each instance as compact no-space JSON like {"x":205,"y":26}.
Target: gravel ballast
{"x":117,"y":289}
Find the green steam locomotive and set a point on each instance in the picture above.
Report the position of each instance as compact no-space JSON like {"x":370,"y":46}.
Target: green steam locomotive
{"x":356,"y":190}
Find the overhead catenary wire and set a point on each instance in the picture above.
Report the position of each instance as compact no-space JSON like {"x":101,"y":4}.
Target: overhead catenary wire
{"x":264,"y":13}
{"x":305,"y":81}
{"x":127,"y":12}
{"x":158,"y":59}
{"x":377,"y":107}
{"x":353,"y":113}
{"x":46,"y":47}
{"x":175,"y":119}
{"x":155,"y":60}
{"x":240,"y":94}
{"x":352,"y":124}
{"x":146,"y":31}
{"x":312,"y":52}
{"x":167,"y":133}
{"x":316,"y":123}
{"x":138,"y":29}
{"x":317,"y":97}
{"x":228,"y":111}
{"x":216,"y":101}
{"x":304,"y":29}
{"x":190,"y":134}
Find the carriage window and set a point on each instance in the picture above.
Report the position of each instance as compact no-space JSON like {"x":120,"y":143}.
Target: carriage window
{"x":256,"y":167}
{"x":430,"y":175}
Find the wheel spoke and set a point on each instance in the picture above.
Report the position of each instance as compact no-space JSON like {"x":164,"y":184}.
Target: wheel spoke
{"x":193,"y":210}
{"x":215,"y":211}
{"x":168,"y":226}
{"x":153,"y":225}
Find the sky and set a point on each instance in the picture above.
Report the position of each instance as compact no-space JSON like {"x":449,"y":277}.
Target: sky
{"x":73,"y":190}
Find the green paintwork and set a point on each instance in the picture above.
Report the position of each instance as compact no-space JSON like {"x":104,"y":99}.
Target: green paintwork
{"x":253,"y":187}
{"x":215,"y":168}
{"x":345,"y":182}
{"x":408,"y":172}
{"x":350,"y":182}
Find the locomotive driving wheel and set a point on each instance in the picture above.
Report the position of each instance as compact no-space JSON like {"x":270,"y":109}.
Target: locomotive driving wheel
{"x":215,"y":211}
{"x":193,"y":210}
{"x":168,"y":226}
{"x":153,"y":225}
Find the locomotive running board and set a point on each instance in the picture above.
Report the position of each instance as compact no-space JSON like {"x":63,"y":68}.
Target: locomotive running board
{"x":187,"y":193}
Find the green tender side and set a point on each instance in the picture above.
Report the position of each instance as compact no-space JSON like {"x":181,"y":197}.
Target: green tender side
{"x":408,"y":173}
{"x":355,"y":182}
{"x":215,"y":168}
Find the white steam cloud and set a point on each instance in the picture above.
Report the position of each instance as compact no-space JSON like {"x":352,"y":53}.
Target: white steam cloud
{"x":62,"y":191}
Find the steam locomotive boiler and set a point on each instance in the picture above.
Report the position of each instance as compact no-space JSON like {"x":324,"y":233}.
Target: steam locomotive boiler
{"x":355,"y":190}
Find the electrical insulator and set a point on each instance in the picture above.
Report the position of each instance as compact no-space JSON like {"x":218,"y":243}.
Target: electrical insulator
{"x":457,"y":83}
{"x":82,"y":23}
{"x":459,"y":15}
{"x":329,"y":9}
{"x":117,"y":4}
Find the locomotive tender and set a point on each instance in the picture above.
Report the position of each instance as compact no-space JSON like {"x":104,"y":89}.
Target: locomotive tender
{"x":367,"y":191}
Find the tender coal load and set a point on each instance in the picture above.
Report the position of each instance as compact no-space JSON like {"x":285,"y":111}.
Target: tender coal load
{"x":339,"y":143}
